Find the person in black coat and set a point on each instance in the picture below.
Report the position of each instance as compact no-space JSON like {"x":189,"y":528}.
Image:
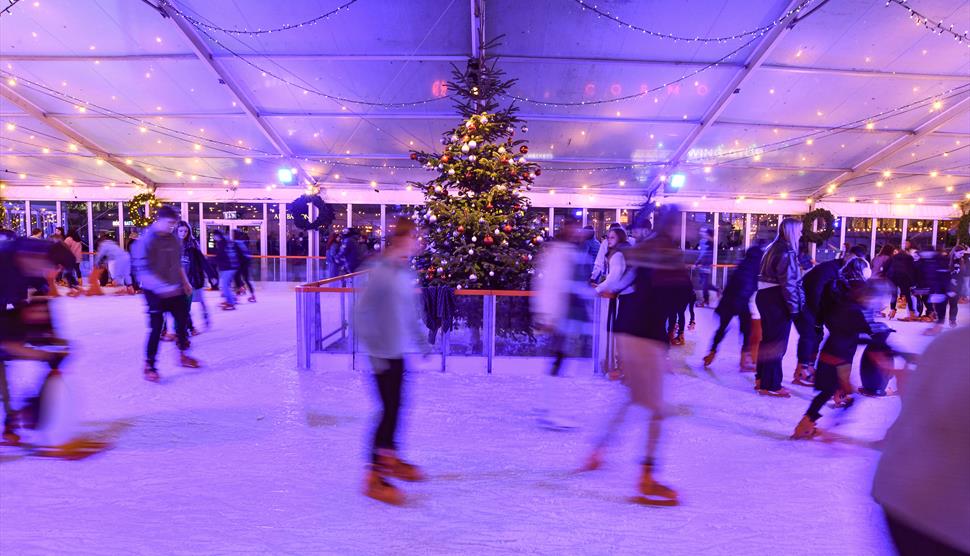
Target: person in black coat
{"x":735,"y":300}
{"x":902,"y":274}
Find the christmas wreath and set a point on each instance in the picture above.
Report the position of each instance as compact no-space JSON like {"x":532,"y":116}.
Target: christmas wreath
{"x":963,"y":227}
{"x":140,"y":209}
{"x":821,"y":236}
{"x":299,"y":209}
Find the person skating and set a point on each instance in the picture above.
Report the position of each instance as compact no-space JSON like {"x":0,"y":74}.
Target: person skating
{"x":196,"y":269}
{"x":660,"y":282}
{"x":902,"y":274}
{"x":158,"y":266}
{"x":780,"y":299}
{"x":227,"y":262}
{"x":703,"y":265}
{"x":952,"y":289}
{"x":242,"y":281}
{"x":843,"y":313}
{"x":615,"y":267}
{"x":388,"y":325}
{"x":741,"y":285}
{"x":119,"y":263}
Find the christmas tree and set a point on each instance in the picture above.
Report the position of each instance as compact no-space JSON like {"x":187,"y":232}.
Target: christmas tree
{"x":478,"y":234}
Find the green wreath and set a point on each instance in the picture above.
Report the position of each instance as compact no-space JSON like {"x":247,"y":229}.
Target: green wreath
{"x":823,"y":235}
{"x":140,"y":217}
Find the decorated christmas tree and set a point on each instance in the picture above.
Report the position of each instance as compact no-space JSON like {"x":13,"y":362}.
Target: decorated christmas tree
{"x":475,"y":212}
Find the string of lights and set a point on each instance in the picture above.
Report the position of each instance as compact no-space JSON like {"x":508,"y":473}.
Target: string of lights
{"x":936,"y":26}
{"x":307,"y":23}
{"x":641,"y":94}
{"x":757,"y":32}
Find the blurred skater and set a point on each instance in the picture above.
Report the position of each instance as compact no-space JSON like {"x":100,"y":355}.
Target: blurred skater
{"x":780,"y":299}
{"x":561,"y":307}
{"x":119,"y":263}
{"x":241,"y":280}
{"x":735,"y":302}
{"x":227,"y":262}
{"x":196,"y":269}
{"x":158,"y":265}
{"x":923,"y":480}
{"x":388,"y":325}
{"x":660,"y":283}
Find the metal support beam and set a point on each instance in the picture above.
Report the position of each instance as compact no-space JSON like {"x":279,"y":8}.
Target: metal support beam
{"x":477,"y":28}
{"x":929,"y":125}
{"x":754,"y":61}
{"x":204,"y":54}
{"x":56,"y":124}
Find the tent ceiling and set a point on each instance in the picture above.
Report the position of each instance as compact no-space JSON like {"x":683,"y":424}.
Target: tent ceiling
{"x":129,"y":81}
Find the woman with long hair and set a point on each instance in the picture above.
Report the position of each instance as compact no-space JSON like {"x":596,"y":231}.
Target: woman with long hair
{"x":614,"y":267}
{"x":779,"y":299}
{"x":196,"y":268}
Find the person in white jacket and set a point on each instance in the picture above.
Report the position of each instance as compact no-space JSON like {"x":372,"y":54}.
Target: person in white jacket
{"x":561,"y":308}
{"x":119,"y":263}
{"x":615,"y":268}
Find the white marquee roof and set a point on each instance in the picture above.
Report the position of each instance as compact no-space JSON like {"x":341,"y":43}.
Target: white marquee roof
{"x":110,"y":91}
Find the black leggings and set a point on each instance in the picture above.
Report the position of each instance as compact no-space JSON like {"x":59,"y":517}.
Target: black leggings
{"x":906,"y":292}
{"x":390,"y":385}
{"x":242,"y":277}
{"x":157,"y":307}
{"x":744,"y":317}
{"x":941,"y":309}
{"x":776,"y":321}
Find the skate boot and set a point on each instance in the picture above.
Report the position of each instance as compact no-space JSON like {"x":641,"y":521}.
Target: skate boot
{"x":151,"y":373}
{"x":691,"y":325}
{"x":779,"y":393}
{"x":188,"y":361}
{"x":804,"y":375}
{"x":167,"y":337}
{"x":805,"y":429}
{"x":842,"y":399}
{"x":653,"y":493}
{"x":390,"y":465}
{"x":10,"y":435}
{"x":593,"y":461}
{"x":252,"y":299}
{"x":709,"y":358}
{"x":376,"y":487}
{"x":679,"y":340}
{"x":747,"y":362}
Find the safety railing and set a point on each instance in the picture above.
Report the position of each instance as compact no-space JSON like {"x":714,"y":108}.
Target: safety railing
{"x":491,"y":327}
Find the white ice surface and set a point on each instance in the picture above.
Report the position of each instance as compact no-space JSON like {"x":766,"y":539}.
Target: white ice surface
{"x":248,"y":455}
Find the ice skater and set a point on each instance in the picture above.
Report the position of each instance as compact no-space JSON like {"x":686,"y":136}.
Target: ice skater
{"x":388,"y":324}
{"x":561,"y":307}
{"x":735,"y":302}
{"x":242,"y":281}
{"x":227,"y":261}
{"x":660,"y":282}
{"x":158,"y":266}
{"x":119,"y":263}
{"x":196,"y":269}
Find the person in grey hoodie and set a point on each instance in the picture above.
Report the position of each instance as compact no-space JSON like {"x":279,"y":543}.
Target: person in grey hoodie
{"x":158,"y":266}
{"x":388,"y":324}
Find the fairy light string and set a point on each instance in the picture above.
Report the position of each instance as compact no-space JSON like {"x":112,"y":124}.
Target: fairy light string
{"x":936,"y":26}
{"x":287,"y":27}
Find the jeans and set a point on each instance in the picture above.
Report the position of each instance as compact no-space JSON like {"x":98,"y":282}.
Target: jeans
{"x":157,"y":307}
{"x":952,"y":302}
{"x":225,"y":286}
{"x":390,"y":385}
{"x":744,"y":316}
{"x":776,"y":324}
{"x":810,"y":336}
{"x":704,"y":278}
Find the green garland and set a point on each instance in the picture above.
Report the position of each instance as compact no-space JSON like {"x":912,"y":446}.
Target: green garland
{"x":963,"y":227}
{"x":823,"y":235}
{"x":141,"y":218}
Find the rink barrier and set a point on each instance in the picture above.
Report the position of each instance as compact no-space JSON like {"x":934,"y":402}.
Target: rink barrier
{"x":327,"y":329}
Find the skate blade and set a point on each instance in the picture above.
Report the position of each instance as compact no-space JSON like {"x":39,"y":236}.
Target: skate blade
{"x":803,"y":383}
{"x":74,"y":450}
{"x":649,"y":501}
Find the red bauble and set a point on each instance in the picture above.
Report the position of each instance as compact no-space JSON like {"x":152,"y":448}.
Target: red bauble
{"x":524,"y":149}
{"x":515,"y":207}
{"x":538,"y":171}
{"x":525,"y":258}
{"x":414,"y":156}
{"x":488,"y":240}
{"x":489,"y":206}
{"x":468,"y":175}
{"x":445,"y":158}
{"x":507,"y":228}
{"x":461,"y":229}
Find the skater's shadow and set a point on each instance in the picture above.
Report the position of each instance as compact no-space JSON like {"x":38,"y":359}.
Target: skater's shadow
{"x":192,"y":428}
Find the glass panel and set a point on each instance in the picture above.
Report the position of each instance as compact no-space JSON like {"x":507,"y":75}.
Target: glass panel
{"x":730,"y":239}
{"x":764,"y":228}
{"x":129,"y":225}
{"x":830,"y":249}
{"x":600,"y":220}
{"x":74,"y":215}
{"x":43,"y":216}
{"x":696,"y":221}
{"x":919,"y":234}
{"x":210,"y":241}
{"x":233,"y":211}
{"x":367,"y":220}
{"x":627,"y":219}
{"x":466,"y":337}
{"x":296,"y":239}
{"x":858,"y":231}
{"x":946,"y":233}
{"x":889,"y":231}
{"x":560,"y":214}
{"x":14,"y":217}
{"x":195,"y":220}
{"x":273,"y":229}
{"x":514,"y":326}
{"x":392,"y":213}
{"x":105,"y":220}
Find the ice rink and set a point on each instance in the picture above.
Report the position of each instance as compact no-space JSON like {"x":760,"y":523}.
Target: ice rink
{"x":248,"y":455}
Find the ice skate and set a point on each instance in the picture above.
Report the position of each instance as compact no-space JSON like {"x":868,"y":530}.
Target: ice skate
{"x":842,"y":399}
{"x":151,"y":373}
{"x":691,"y":325}
{"x":709,"y":358}
{"x":227,"y":307}
{"x":679,"y":340}
{"x":804,"y":375}
{"x":779,"y":393}
{"x":376,"y":487}
{"x":168,"y":337}
{"x":747,"y":362}
{"x":615,"y":374}
{"x":76,"y":449}
{"x":390,"y":465}
{"x":252,"y":299}
{"x":10,"y":435}
{"x":593,"y":461}
{"x":805,"y":429}
{"x":188,"y":361}
{"x":872,"y":393}
{"x":653,"y":493}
